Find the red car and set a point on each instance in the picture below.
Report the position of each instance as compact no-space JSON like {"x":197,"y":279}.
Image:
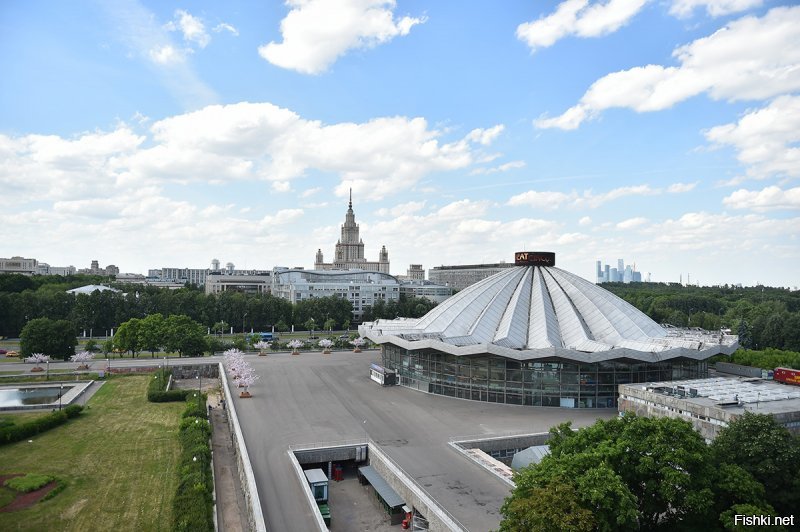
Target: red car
{"x":3,"y":351}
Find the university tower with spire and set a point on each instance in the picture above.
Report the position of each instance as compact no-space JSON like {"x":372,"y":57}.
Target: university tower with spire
{"x":349,"y":253}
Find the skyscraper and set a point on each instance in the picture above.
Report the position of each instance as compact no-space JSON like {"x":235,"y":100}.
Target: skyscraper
{"x":349,"y":251}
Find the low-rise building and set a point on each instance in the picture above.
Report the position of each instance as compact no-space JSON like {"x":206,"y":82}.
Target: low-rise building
{"x":18,"y":265}
{"x":362,"y":288}
{"x":711,"y":404}
{"x":427,"y":289}
{"x":250,"y":283}
{"x":461,"y":276}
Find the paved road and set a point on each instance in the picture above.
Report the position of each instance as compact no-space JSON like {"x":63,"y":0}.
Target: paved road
{"x":314,"y":398}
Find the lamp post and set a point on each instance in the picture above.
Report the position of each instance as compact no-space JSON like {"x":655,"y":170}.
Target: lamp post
{"x":199,"y":388}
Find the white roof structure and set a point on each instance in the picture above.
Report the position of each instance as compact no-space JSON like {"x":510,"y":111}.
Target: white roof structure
{"x":529,"y":312}
{"x":89,"y":288}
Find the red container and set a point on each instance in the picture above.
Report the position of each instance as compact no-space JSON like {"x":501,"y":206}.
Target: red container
{"x":787,"y":376}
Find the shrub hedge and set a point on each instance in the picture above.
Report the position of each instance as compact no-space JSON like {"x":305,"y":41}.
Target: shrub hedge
{"x":29,"y":482}
{"x":193,"y":502}
{"x":14,"y":433}
{"x":157,"y":389}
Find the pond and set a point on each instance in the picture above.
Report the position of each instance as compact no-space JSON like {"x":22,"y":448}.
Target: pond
{"x":39,"y":395}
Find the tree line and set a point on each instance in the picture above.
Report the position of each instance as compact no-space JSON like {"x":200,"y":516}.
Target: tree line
{"x":24,"y":298}
{"x":762,"y":316}
{"x":637,"y":473}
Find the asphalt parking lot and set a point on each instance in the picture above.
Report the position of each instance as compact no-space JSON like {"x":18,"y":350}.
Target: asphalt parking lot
{"x":327,"y":398}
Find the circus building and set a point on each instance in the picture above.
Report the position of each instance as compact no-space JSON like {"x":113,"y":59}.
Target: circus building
{"x":537,"y":335}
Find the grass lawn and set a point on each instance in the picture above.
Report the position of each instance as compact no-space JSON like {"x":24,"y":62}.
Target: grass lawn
{"x":118,"y":459}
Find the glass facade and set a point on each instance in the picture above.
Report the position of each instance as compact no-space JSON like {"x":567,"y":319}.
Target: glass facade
{"x":541,"y":382}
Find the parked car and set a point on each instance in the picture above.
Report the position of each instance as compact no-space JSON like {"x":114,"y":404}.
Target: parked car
{"x":12,"y":354}
{"x":3,"y":351}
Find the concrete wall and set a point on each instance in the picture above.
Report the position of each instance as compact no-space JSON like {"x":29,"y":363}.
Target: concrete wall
{"x":246,"y":477}
{"x":327,"y":454}
{"x":488,"y":445}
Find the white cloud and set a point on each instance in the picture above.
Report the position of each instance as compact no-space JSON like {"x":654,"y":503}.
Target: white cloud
{"x":505,"y":167}
{"x":578,"y":17}
{"x":678,"y":188}
{"x":549,"y":200}
{"x":138,"y":29}
{"x":714,"y":8}
{"x":166,"y":55}
{"x":749,"y":59}
{"x":485,"y":136}
{"x":245,"y":141}
{"x":632,"y":223}
{"x":317,"y":32}
{"x":765,"y":139}
{"x":585,"y":221}
{"x":192,"y":28}
{"x":310,"y":192}
{"x":545,"y":200}
{"x":224,"y":26}
{"x":768,"y":199}
{"x":399,"y":210}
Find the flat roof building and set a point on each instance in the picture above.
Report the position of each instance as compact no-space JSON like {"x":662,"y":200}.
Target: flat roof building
{"x":461,"y":276}
{"x":711,"y":404}
{"x":362,"y":288}
{"x":537,"y":335}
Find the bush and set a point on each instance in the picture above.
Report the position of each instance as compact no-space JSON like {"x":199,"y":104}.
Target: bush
{"x":28,"y":483}
{"x":192,"y":505}
{"x":14,"y":433}
{"x":195,"y":407}
{"x":157,"y":389}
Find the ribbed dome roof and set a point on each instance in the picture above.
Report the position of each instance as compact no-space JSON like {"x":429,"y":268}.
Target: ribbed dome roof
{"x":536,"y":308}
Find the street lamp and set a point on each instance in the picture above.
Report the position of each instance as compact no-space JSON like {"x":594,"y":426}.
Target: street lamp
{"x":199,"y":388}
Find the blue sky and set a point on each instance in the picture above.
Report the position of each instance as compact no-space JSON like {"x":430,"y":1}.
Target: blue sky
{"x":150,"y":134}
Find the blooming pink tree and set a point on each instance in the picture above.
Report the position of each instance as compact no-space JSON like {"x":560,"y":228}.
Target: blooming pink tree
{"x":325,"y":344}
{"x":233,"y":360}
{"x":37,"y":358}
{"x":83,"y":357}
{"x":247,"y":378}
{"x":358,"y":343}
{"x":262,"y":346}
{"x":295,"y":345}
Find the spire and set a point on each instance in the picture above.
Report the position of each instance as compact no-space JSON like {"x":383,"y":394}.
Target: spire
{"x":350,"y":205}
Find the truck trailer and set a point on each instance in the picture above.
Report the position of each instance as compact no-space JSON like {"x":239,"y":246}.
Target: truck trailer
{"x":787,"y":376}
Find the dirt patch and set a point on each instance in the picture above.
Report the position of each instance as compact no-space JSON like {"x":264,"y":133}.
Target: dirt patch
{"x":24,"y":500}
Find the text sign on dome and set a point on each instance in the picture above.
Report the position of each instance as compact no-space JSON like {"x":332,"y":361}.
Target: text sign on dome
{"x":534,"y":258}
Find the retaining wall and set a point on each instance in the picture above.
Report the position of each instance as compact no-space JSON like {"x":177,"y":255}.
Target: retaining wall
{"x":247,"y":479}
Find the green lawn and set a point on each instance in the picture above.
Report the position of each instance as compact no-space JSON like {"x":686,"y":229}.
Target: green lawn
{"x":118,"y":459}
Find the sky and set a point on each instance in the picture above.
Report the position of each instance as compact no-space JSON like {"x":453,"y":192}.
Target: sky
{"x":163,"y":134}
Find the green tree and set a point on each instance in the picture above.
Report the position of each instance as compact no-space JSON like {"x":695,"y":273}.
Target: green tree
{"x":151,"y":333}
{"x":281,"y":326}
{"x":127,"y":336}
{"x":55,"y":338}
{"x":184,"y":335}
{"x":554,"y":507}
{"x":631,"y":472}
{"x":768,"y":452}
{"x":220,"y":327}
{"x":330,"y":324}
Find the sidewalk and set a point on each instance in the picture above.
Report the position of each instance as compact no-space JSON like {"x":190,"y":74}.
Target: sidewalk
{"x":231,"y":509}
